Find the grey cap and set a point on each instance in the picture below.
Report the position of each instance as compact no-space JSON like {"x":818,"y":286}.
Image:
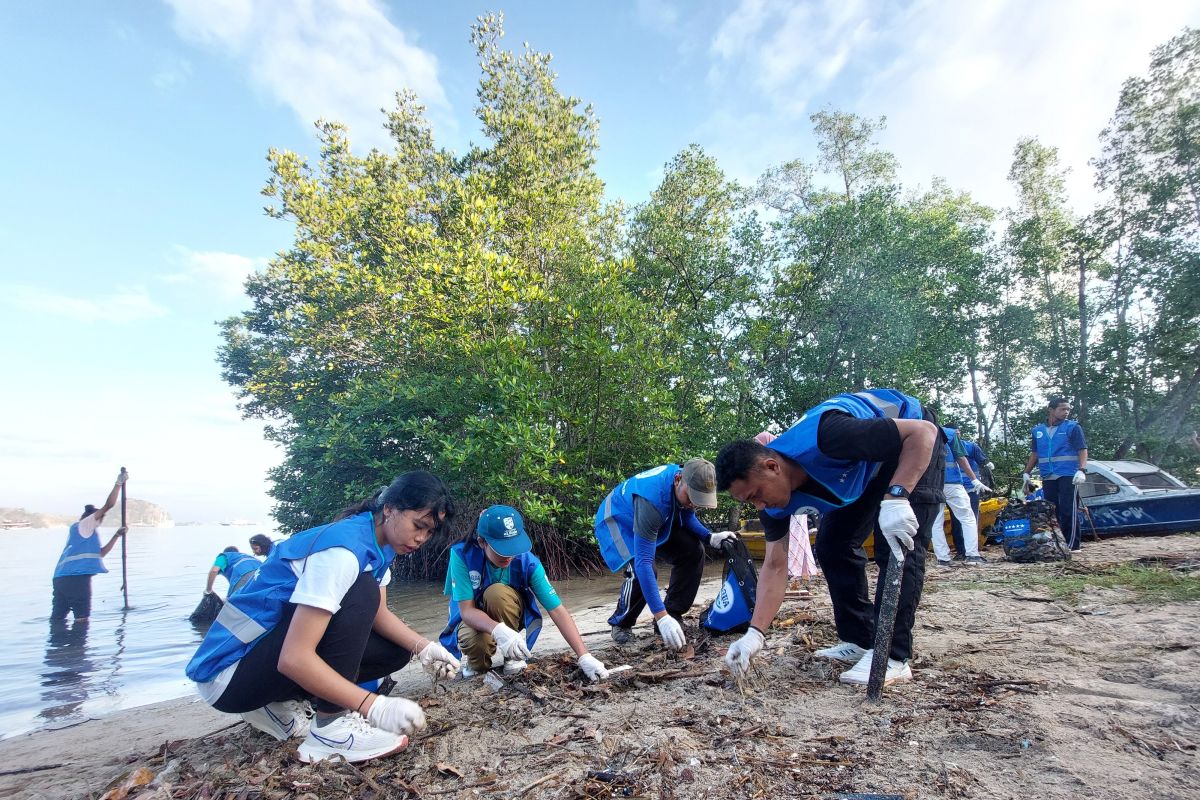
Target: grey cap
{"x":701,"y":478}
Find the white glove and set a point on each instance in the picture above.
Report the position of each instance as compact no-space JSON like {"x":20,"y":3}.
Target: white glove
{"x":396,"y":714}
{"x":979,"y":486}
{"x":592,"y":667}
{"x":1026,"y":477}
{"x":671,"y":632}
{"x":741,"y":651}
{"x":438,"y":662}
{"x":990,"y":466}
{"x":1080,"y":477}
{"x":511,"y":643}
{"x":122,"y":477}
{"x":899,"y":525}
{"x":715,"y":539}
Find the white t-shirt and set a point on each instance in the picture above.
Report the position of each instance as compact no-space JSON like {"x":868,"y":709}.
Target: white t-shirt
{"x":322,"y":580}
{"x":89,"y":524}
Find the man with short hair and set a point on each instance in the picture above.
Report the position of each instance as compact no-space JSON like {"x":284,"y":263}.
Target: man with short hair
{"x":653,"y":515}
{"x":958,"y":472}
{"x":83,"y":557}
{"x":236,"y":566}
{"x":866,"y":461}
{"x":1059,"y":450}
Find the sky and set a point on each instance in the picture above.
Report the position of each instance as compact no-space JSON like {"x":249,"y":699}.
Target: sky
{"x":133,"y":156}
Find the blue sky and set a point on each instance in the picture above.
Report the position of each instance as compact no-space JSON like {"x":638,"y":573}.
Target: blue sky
{"x":136,"y":133}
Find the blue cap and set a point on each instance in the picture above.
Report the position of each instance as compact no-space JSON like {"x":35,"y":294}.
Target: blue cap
{"x":503,"y":528}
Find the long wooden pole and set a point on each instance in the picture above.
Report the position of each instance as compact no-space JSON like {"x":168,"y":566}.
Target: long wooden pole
{"x":124,"y":569}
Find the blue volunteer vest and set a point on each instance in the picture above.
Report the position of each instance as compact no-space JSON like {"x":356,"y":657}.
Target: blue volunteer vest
{"x":81,"y":556}
{"x":255,"y":609}
{"x":975,"y":459}
{"x":845,"y":480}
{"x":613,"y":522}
{"x":1056,"y":456}
{"x":519,"y":571}
{"x":237,"y":566}
{"x":953,"y":473}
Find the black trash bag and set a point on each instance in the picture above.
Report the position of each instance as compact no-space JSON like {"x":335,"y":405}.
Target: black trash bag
{"x":207,"y":610}
{"x":733,"y":607}
{"x":1030,"y":532}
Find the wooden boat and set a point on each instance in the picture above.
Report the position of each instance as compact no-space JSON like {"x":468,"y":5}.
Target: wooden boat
{"x":752,"y":534}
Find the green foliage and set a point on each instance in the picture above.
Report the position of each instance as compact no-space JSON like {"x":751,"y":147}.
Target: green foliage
{"x":492,"y":318}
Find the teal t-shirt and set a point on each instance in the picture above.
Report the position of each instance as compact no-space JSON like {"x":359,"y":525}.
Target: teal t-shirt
{"x":221,"y":562}
{"x":458,"y":582}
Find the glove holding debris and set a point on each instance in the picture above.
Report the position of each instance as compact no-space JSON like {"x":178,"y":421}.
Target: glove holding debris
{"x":1026,"y":478}
{"x":1080,"y":477}
{"x":511,"y":643}
{"x":741,"y":651}
{"x":716,"y":539}
{"x":671,"y":632}
{"x":979,"y":486}
{"x":899,"y":526}
{"x":438,"y":662}
{"x":592,"y":667}
{"x":396,"y":714}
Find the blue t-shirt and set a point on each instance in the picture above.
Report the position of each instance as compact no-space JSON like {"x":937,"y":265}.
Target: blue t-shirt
{"x":458,"y":582}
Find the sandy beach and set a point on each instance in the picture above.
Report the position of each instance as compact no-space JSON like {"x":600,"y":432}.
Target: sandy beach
{"x":1049,"y":681}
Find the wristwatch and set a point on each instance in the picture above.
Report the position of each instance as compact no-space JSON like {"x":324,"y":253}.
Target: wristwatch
{"x":897,"y":492}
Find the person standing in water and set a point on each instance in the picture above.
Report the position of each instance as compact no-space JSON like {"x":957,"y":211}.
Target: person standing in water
{"x":83,"y":557}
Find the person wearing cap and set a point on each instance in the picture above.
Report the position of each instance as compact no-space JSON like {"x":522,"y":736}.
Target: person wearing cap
{"x":82,"y":557}
{"x":496,"y":585}
{"x":867,"y":461}
{"x":652,"y":515}
{"x":1059,"y":450}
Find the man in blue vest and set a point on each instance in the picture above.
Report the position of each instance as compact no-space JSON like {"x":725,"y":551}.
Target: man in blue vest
{"x":866,"y":461}
{"x":652,"y":515}
{"x":960,"y":479}
{"x":81,"y":558}
{"x":495,"y":585}
{"x":236,"y":566}
{"x":1059,"y":450}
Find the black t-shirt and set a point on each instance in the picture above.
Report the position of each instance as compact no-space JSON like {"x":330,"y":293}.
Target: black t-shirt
{"x":877,"y":440}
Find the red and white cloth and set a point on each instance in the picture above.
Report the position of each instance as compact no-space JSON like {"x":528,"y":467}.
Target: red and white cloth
{"x":801,"y":563}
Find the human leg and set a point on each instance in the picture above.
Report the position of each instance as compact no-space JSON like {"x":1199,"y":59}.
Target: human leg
{"x":839,"y":551}
{"x":59,"y":603}
{"x":685,"y":553}
{"x":960,"y":508}
{"x":630,"y":601}
{"x":940,"y":548}
{"x":501,"y":603}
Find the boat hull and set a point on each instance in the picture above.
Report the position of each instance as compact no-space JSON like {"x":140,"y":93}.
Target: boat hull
{"x":1169,"y":512}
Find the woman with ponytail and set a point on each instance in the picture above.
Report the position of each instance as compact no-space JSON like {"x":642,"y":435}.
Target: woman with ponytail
{"x":314,"y":622}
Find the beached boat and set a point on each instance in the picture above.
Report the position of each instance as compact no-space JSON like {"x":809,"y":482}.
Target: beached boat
{"x":1133,"y":497}
{"x":989,"y":509}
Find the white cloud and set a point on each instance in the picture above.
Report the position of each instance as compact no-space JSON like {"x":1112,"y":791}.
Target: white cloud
{"x":338,"y":60}
{"x":226,"y":272}
{"x":127,"y":304}
{"x":958,"y":82}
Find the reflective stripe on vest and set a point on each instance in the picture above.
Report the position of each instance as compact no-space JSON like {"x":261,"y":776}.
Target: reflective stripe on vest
{"x":887,"y":408}
{"x":244,"y":629}
{"x":615,"y":530}
{"x":79,"y":557}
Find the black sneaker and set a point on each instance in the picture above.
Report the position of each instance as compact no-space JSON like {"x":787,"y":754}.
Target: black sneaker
{"x":960,"y":557}
{"x":944,"y":563}
{"x":975,"y":560}
{"x":621,"y":635}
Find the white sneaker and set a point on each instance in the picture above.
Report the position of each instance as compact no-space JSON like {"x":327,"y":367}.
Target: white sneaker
{"x":280,"y":720}
{"x":351,"y":737}
{"x":860,"y":673}
{"x":842,"y":651}
{"x":514,"y":667}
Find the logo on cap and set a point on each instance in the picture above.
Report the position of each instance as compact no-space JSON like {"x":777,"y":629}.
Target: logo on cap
{"x":510,"y":527}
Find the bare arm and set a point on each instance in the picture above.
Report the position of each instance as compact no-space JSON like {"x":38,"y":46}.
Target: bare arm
{"x":772,"y":581}
{"x":917,"y":439}
{"x":299,"y":661}
{"x":112,"y":498}
{"x":1031,"y":462}
{"x":477,"y":618}
{"x":108,"y":547}
{"x":965,"y":466}
{"x":566,"y":626}
{"x":212,"y":577}
{"x":1083,"y":456}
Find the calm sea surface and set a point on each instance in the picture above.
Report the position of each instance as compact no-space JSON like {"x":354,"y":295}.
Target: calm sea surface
{"x":123,"y":659}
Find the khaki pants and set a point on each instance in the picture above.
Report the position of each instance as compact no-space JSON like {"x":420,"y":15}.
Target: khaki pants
{"x":501,"y":603}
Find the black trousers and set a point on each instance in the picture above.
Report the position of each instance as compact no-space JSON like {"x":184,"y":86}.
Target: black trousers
{"x":1061,"y":492}
{"x":72,"y":593}
{"x":685,"y":553}
{"x":349,"y":646}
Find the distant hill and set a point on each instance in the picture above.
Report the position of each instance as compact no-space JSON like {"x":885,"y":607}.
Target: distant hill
{"x":142,"y":513}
